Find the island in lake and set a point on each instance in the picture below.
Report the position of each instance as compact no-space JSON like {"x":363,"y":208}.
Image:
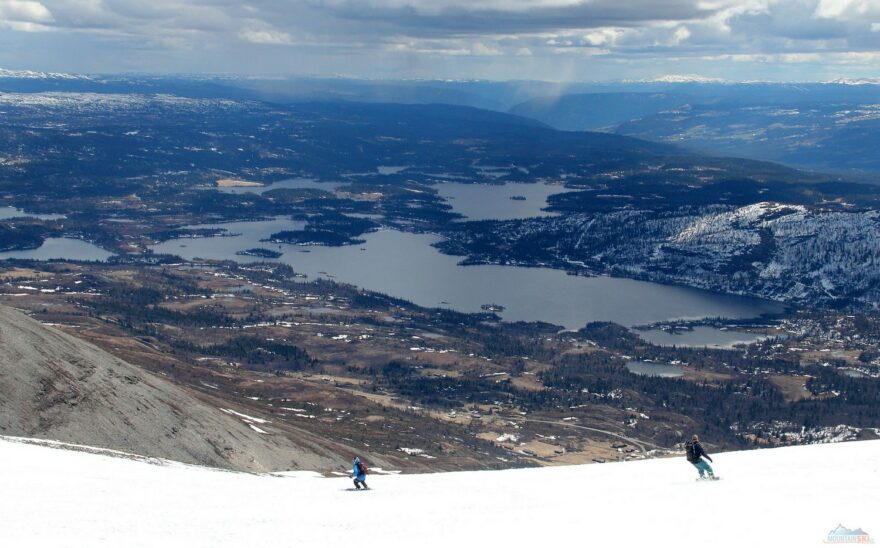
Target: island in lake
{"x":261,"y":252}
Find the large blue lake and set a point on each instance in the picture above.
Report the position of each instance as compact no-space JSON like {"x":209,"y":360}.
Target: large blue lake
{"x":408,"y":266}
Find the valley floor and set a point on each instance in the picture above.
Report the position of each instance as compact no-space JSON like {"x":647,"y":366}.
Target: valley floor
{"x":791,"y":496}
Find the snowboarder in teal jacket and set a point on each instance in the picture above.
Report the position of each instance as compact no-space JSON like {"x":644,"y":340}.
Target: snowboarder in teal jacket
{"x":695,"y":454}
{"x":359,"y":473}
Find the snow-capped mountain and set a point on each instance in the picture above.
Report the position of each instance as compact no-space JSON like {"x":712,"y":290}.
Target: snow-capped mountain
{"x":38,"y":75}
{"x":795,"y":496}
{"x":855,"y":81}
{"x":683,"y":79}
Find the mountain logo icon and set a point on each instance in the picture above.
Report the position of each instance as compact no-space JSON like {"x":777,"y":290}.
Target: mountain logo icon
{"x":842,"y":535}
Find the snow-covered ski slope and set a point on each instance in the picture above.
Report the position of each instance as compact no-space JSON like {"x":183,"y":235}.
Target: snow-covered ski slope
{"x":781,"y":497}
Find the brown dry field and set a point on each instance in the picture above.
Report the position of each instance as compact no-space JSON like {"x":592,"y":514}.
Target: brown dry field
{"x":699,"y":375}
{"x":23,"y":274}
{"x":226,"y":183}
{"x":793,"y":387}
{"x":851,"y":357}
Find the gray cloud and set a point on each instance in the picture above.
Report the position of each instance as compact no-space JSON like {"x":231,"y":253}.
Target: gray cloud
{"x":519,"y":38}
{"x":464,"y":19}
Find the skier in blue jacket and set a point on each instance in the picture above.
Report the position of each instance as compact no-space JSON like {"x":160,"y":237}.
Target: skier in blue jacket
{"x":695,"y":454}
{"x":359,"y":473}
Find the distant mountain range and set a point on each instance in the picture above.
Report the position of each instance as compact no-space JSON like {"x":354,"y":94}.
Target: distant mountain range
{"x":596,"y":111}
{"x":71,"y":144}
{"x":831,"y":127}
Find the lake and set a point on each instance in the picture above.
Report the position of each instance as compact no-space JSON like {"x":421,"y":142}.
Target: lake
{"x":407,"y":266}
{"x":477,"y":202}
{"x":61,"y":248}
{"x":650,"y":369}
{"x":480,"y":202}
{"x":700,"y":336}
{"x":9,"y":212}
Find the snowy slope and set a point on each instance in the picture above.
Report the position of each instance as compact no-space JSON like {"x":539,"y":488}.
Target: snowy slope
{"x":781,"y":497}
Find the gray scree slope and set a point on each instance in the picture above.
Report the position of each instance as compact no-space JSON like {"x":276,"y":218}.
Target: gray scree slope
{"x":55,"y":386}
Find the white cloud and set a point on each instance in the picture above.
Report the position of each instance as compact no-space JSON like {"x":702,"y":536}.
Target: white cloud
{"x":680,"y":35}
{"x":482,"y":49}
{"x":433,"y":7}
{"x":835,"y":9}
{"x":24,"y":15}
{"x":24,"y":10}
{"x":266,"y":36}
{"x":602,"y":37}
{"x":447,"y":48}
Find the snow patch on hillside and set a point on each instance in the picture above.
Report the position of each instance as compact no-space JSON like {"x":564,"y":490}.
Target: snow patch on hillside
{"x":79,"y":103}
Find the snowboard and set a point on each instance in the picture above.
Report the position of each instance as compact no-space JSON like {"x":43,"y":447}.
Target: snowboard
{"x":716,"y":478}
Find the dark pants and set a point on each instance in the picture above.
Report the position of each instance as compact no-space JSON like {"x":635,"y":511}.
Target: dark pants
{"x":358,"y":483}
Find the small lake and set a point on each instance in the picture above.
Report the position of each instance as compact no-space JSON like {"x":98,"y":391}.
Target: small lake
{"x":69,"y":249}
{"x":10,"y":212}
{"x":479,"y":202}
{"x":240,"y":236}
{"x":407,"y":266}
{"x":390,"y":170}
{"x":287,"y":183}
{"x":649,"y":369}
{"x":700,"y":336}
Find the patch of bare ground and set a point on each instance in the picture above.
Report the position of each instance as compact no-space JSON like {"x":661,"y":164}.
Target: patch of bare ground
{"x":23,"y":274}
{"x":793,"y":387}
{"x":230,"y":305}
{"x":527,"y":381}
{"x":704,"y":375}
{"x":851,"y":357}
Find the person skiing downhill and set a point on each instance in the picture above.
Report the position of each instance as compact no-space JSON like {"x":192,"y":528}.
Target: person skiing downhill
{"x":359,"y":473}
{"x":695,"y":453}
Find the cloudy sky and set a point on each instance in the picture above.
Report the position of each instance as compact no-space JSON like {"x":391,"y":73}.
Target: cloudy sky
{"x":559,"y":40}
